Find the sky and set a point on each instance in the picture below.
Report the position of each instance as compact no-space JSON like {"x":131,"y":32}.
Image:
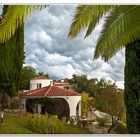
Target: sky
{"x":48,"y":49}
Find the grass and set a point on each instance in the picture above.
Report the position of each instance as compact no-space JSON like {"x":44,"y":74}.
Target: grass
{"x":14,"y":125}
{"x":20,"y":125}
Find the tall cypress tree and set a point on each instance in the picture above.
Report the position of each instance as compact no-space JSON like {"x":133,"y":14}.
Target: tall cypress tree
{"x":11,"y":61}
{"x":132,"y":87}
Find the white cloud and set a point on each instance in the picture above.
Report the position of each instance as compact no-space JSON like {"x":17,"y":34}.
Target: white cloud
{"x":57,"y":59}
{"x":64,"y":71}
{"x":48,"y":48}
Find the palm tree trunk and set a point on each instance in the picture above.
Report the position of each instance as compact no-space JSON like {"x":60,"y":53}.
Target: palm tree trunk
{"x":132,"y":87}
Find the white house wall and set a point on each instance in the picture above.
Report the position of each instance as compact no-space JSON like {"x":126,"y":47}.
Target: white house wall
{"x":43,"y":82}
{"x":72,"y":101}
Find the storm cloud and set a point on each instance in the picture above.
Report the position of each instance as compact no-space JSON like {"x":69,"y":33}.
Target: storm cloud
{"x":48,"y":49}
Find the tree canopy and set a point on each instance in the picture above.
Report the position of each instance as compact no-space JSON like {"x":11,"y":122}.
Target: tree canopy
{"x":27,"y":74}
{"x":110,"y":100}
{"x":92,"y":86}
{"x":82,"y":84}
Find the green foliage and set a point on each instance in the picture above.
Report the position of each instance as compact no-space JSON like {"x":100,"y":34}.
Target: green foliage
{"x":107,"y":97}
{"x":39,"y":125}
{"x":79,"y":82}
{"x":85,"y":104}
{"x":44,"y":125}
{"x":87,"y":16}
{"x":82,"y":84}
{"x":120,"y":28}
{"x":11,"y":61}
{"x":52,"y":125}
{"x":26,"y":75}
{"x":14,"y":17}
{"x":124,"y":30}
{"x":15,"y":125}
{"x":92,"y":86}
{"x":109,"y":100}
{"x":13,"y":90}
{"x":132,"y":88}
{"x":103,"y":120}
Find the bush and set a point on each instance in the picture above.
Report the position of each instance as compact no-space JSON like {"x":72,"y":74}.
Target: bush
{"x":46,"y":125}
{"x":52,"y":125}
{"x":102,"y":121}
{"x":40,"y":125}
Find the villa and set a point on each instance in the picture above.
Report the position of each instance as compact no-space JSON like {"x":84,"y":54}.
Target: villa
{"x":42,"y":89}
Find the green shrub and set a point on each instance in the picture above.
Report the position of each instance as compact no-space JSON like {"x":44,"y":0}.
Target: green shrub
{"x":38,"y":125}
{"x":46,"y":125}
{"x":52,"y":125}
{"x":102,"y":121}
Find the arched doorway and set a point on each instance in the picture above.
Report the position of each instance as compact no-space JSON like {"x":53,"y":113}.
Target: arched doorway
{"x":51,"y":106}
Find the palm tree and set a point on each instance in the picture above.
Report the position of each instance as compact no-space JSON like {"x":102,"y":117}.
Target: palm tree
{"x":121,"y":29}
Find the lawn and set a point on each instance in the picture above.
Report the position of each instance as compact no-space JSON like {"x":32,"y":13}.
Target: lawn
{"x":14,"y":125}
{"x":20,"y":125}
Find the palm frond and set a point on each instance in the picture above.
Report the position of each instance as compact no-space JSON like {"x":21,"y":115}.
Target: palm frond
{"x":99,"y":12}
{"x":86,"y":16}
{"x":14,"y":17}
{"x":81,"y":20}
{"x":120,"y":21}
{"x":120,"y":42}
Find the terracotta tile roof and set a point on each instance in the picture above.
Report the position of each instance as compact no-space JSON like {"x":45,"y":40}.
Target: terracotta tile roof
{"x":39,"y":78}
{"x":51,"y":91}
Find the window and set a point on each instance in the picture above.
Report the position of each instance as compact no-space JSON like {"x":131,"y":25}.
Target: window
{"x":38,"y":86}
